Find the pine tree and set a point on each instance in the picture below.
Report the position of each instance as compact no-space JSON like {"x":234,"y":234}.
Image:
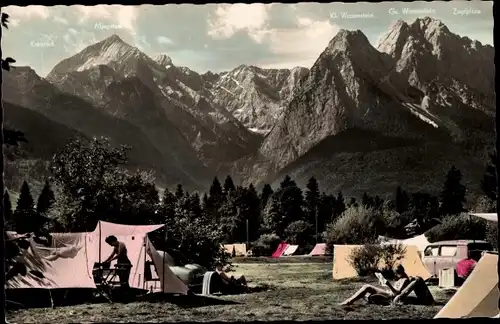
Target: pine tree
{"x":423,"y":207}
{"x":195,"y":210}
{"x":352,"y":202}
{"x":402,"y":200}
{"x":179,"y":192}
{"x":204,"y":203}
{"x":453,"y":194}
{"x":312,"y":202}
{"x":254,"y":212}
{"x":24,"y":215}
{"x":489,"y":182}
{"x":287,"y":182}
{"x":378,"y":203}
{"x":168,"y":205}
{"x":7,"y":206}
{"x":340,"y":206}
{"x":267,"y":192}
{"x":274,"y":219}
{"x":326,"y":211}
{"x":292,"y":201}
{"x":215,"y":189}
{"x":45,"y":200}
{"x":228,"y":185}
{"x":215,"y":199}
{"x":367,"y":201}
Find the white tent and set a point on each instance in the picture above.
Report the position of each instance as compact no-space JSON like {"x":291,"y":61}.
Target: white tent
{"x":493,"y":217}
{"x":420,"y":241}
{"x":70,"y":260}
{"x":478,"y":296}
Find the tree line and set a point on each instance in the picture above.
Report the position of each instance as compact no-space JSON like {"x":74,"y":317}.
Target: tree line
{"x":88,"y":183}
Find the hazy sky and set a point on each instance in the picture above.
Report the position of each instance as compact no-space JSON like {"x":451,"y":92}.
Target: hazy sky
{"x":220,"y":37}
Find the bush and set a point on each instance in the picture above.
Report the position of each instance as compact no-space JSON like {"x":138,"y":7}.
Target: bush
{"x":299,"y":233}
{"x":357,"y":225}
{"x":369,"y":258}
{"x":265,"y":245}
{"x":456,"y":227}
{"x":395,"y":224}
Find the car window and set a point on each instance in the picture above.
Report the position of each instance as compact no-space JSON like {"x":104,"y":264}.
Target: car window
{"x":431,"y":251}
{"x":479,"y":247}
{"x":448,"y":250}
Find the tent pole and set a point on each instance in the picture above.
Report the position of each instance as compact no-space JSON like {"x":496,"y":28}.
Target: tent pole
{"x":144,"y":277}
{"x":99,"y":222}
{"x":163,"y":265}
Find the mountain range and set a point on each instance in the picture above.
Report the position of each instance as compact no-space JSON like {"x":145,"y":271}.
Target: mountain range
{"x":362,"y":118}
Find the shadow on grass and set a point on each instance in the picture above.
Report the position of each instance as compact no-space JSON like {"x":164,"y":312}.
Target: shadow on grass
{"x":186,"y":301}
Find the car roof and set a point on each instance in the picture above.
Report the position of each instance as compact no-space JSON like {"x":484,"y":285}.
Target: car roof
{"x":458,"y":242}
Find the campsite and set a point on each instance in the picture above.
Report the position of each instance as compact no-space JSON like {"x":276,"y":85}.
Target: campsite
{"x":297,"y":291}
{"x":306,"y":289}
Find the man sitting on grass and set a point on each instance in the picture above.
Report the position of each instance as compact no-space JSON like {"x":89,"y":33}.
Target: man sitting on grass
{"x":389,"y":294}
{"x":229,"y":281}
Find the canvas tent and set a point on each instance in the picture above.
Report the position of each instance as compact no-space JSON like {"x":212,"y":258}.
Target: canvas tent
{"x":343,"y":269}
{"x":229,"y":248}
{"x":290,"y":250}
{"x":63,"y":265}
{"x":493,"y":217}
{"x":69,"y":261}
{"x":319,"y":249}
{"x":479,"y":295}
{"x":280,"y":250}
{"x":420,"y":241}
{"x":238,"y":249}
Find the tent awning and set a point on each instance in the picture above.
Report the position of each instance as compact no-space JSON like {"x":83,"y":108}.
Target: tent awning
{"x":493,"y":217}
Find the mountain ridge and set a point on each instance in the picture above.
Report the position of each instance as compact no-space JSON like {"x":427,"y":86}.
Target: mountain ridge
{"x":401,"y":102}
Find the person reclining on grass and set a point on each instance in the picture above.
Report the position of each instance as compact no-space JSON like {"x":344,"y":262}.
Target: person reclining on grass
{"x":390,"y":293}
{"x":241,"y":281}
{"x":396,"y":293}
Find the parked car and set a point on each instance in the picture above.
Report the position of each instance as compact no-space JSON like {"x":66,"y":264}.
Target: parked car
{"x":446,"y":254}
{"x":191,"y":274}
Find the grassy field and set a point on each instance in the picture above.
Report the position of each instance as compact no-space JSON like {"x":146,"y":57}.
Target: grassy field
{"x":295,"y":292}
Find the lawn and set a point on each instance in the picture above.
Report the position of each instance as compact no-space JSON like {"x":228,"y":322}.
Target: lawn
{"x":296,"y":292}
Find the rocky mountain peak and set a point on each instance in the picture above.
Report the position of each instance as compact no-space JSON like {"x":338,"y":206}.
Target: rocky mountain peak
{"x":163,"y":60}
{"x":114,"y":39}
{"x":428,"y":23}
{"x":348,"y":40}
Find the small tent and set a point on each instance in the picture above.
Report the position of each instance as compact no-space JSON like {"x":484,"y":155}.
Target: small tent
{"x":229,"y":248}
{"x":479,"y":295}
{"x":280,"y":250}
{"x":70,"y":260}
{"x":319,"y":249}
{"x":290,"y":250}
{"x":343,"y":269}
{"x":420,"y":241}
{"x":240,"y":249}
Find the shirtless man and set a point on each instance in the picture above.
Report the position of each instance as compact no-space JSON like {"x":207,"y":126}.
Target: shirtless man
{"x":229,"y":280}
{"x":120,"y":255}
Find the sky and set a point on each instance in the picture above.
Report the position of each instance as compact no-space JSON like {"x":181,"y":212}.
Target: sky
{"x":220,"y":37}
